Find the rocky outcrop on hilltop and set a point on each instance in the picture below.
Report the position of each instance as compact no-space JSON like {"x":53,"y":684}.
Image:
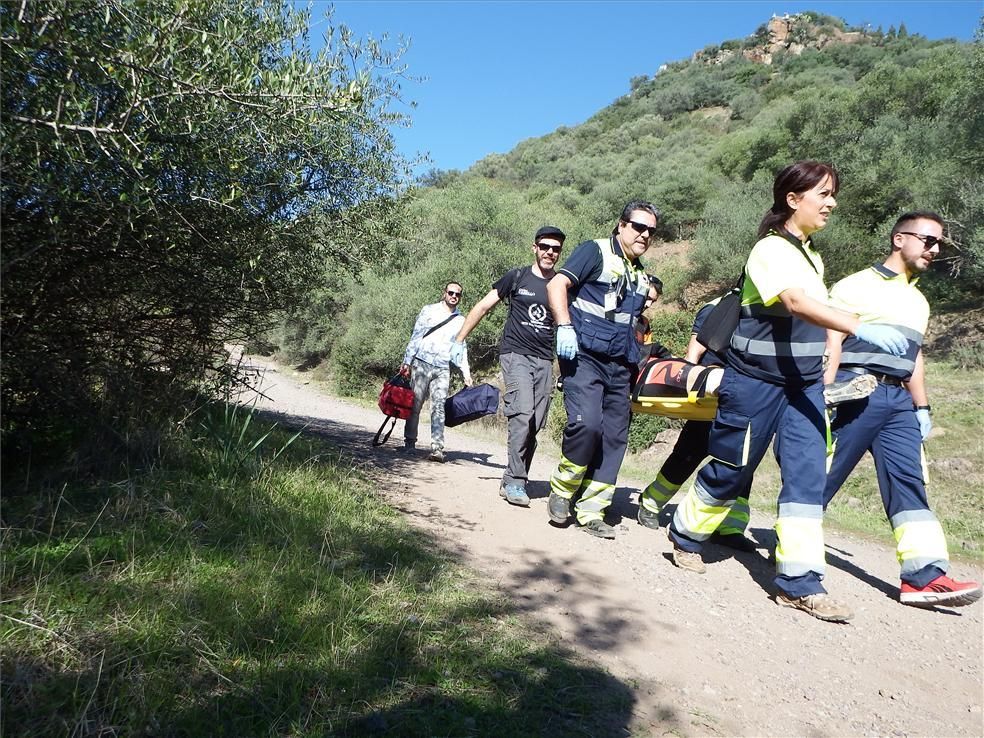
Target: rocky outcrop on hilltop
{"x":792,"y":34}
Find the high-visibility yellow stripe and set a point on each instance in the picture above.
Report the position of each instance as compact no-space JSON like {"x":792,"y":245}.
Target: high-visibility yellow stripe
{"x":698,"y":515}
{"x":738,"y":518}
{"x":595,"y":498}
{"x":658,"y":493}
{"x":919,"y":542}
{"x":567,"y":477}
{"x":799,"y":545}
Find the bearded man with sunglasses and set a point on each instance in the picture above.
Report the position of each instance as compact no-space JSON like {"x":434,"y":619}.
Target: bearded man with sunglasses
{"x":894,"y":420}
{"x":596,"y":299}
{"x":525,"y":353}
{"x":426,"y":361}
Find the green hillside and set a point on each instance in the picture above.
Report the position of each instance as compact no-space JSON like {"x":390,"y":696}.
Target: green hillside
{"x":899,"y":115}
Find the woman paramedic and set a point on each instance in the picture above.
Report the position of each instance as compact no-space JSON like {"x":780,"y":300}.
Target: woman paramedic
{"x":773,"y":386}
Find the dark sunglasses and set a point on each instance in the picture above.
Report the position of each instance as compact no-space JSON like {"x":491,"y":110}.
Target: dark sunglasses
{"x":548,"y":247}
{"x":641,"y":228}
{"x":452,"y":293}
{"x":928,"y":241}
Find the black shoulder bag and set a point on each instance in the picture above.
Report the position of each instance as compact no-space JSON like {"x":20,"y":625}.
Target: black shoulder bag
{"x":719,"y":326}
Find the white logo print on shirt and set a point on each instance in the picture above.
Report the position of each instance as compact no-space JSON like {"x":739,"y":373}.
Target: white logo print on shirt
{"x":538,"y":316}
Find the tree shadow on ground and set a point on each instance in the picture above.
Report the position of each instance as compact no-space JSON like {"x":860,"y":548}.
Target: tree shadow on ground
{"x":254,"y":610}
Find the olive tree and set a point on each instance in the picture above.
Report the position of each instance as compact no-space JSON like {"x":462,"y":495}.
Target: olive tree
{"x":174,"y":173}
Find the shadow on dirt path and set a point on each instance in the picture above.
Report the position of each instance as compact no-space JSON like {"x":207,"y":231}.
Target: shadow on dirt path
{"x":704,"y":655}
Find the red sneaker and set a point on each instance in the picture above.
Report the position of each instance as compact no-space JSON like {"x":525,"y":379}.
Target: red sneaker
{"x":941,"y":591}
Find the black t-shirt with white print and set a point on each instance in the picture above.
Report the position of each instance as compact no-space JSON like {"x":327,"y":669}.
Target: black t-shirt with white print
{"x":529,"y":327}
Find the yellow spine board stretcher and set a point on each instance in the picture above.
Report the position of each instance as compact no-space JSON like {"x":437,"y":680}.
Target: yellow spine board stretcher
{"x":674,"y":388}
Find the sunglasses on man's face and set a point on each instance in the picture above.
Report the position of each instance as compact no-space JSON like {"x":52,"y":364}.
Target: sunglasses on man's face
{"x":452,"y":293}
{"x":549,"y":247}
{"x":642,"y":228}
{"x":928,"y":241}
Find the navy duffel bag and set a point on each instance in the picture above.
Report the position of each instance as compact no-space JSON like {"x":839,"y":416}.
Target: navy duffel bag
{"x":470,"y":403}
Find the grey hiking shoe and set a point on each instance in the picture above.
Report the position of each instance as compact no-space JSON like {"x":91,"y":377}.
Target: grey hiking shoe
{"x":558,"y":508}
{"x":688,"y":560}
{"x":821,"y":606}
{"x":599,"y":528}
{"x":436,"y":455}
{"x":514,"y":494}
{"x":647,"y":518}
{"x":856,"y":388}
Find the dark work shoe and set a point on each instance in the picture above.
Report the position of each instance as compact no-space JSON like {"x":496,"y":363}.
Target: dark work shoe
{"x":599,"y":528}
{"x":559,"y":508}
{"x":647,"y":518}
{"x":735,"y":541}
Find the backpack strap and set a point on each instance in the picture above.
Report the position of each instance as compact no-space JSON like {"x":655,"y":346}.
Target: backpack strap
{"x":447,"y":320}
{"x":517,"y":275}
{"x":391,"y":419}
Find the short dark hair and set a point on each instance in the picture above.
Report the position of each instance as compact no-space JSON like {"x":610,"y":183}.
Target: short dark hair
{"x":797,"y":178}
{"x":453,"y":281}
{"x":902,"y":223}
{"x":655,"y":283}
{"x":639,"y":205}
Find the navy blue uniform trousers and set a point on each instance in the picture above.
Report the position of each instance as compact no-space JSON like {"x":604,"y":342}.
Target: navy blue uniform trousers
{"x":750,"y":413}
{"x":885,"y":424}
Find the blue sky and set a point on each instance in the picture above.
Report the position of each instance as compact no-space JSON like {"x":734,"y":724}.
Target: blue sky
{"x":496,"y":73}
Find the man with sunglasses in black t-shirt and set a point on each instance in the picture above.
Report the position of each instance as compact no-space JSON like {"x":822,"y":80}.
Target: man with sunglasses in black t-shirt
{"x":525,"y":353}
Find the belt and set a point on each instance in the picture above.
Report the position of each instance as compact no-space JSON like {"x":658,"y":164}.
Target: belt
{"x":883,"y":378}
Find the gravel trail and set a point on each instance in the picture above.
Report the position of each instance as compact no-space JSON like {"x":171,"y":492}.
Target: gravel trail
{"x":704,"y":655}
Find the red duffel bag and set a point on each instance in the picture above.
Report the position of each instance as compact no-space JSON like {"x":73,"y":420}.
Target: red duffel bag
{"x":396,"y":401}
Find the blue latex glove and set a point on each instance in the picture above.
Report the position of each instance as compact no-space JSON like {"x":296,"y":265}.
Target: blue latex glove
{"x":925,"y":424}
{"x":457,"y":352}
{"x":566,"y":342}
{"x":885,"y":337}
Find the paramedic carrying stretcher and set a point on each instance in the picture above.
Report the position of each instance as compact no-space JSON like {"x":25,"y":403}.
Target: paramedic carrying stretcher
{"x":598,"y":352}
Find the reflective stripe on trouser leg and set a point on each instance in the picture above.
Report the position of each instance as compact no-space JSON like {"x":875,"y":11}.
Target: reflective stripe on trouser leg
{"x":748,"y":412}
{"x":658,"y":493}
{"x":595,"y":498}
{"x":583,"y":397}
{"x":603,"y":468}
{"x":920,"y":544}
{"x":699,"y":513}
{"x":737,"y":520}
{"x":688,"y":452}
{"x":901,"y":467}
{"x":567,"y":477}
{"x":799,"y":540}
{"x":801,"y":450}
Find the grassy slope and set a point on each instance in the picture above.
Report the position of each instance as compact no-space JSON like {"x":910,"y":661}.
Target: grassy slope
{"x":280,"y":597}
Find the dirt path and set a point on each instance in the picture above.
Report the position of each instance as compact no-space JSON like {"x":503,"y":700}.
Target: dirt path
{"x":705,"y":655}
